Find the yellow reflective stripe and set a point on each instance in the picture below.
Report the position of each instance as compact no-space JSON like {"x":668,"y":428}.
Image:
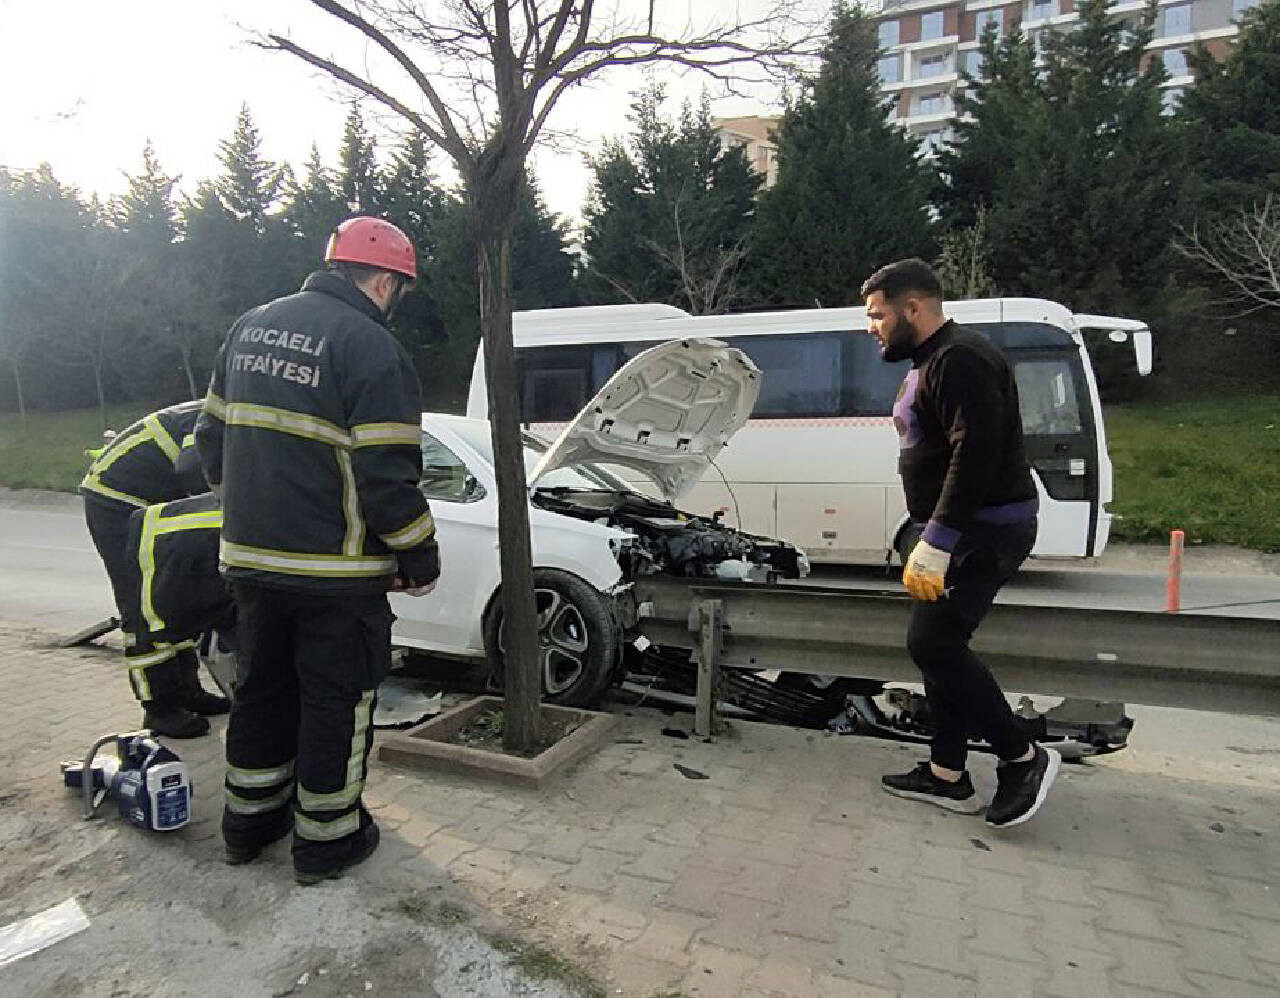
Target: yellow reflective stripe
{"x":297,"y":424}
{"x":92,"y":484}
{"x":188,"y":441}
{"x":147,"y":659}
{"x":350,"y":792}
{"x":215,"y":407}
{"x":147,"y":561}
{"x":208,"y":520}
{"x":326,"y":831}
{"x":411,"y":536}
{"x":162,"y":437}
{"x":141,"y":683}
{"x":253,"y":779}
{"x":240,"y":805}
{"x":384,"y":434}
{"x":297,"y":563}
{"x":353,"y":541}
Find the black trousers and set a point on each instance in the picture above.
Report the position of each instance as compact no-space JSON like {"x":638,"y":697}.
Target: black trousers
{"x":963,"y":695}
{"x":302,"y":717}
{"x":154,"y":674}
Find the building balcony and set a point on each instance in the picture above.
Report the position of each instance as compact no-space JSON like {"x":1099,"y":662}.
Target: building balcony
{"x":912,"y":122}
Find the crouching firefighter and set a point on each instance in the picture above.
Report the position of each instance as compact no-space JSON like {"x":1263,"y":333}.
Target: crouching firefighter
{"x":152,"y":461}
{"x":311,"y":432}
{"x":174,"y":590}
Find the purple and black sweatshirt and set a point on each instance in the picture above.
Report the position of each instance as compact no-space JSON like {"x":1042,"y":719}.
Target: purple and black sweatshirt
{"x":960,"y":438}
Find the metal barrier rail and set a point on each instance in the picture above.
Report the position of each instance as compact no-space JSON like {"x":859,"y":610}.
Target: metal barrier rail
{"x":1229,"y":664}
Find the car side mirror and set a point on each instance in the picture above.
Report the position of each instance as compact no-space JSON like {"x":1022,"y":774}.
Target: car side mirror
{"x":472,"y":490}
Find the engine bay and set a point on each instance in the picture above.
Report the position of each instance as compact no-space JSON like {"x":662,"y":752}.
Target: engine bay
{"x":671,"y":542}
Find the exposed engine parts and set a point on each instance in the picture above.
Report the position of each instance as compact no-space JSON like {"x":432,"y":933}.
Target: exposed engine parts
{"x":675,"y":543}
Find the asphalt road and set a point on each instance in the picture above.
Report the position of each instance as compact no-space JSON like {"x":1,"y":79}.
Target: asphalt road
{"x":50,"y":575}
{"x":50,"y":578}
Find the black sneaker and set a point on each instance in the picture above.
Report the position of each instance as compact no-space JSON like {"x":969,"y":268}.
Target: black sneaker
{"x":238,"y":855}
{"x":921,"y":784}
{"x":173,"y":720}
{"x":1022,"y":787}
{"x":362,"y":845}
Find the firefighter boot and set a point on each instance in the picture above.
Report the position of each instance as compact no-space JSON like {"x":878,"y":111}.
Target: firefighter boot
{"x":172,"y":719}
{"x":194,"y":697}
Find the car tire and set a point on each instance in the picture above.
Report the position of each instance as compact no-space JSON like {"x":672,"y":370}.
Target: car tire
{"x":578,"y":643}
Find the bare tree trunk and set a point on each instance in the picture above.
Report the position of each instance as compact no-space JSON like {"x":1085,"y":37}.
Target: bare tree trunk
{"x":522,"y":680}
{"x":186,"y":367}
{"x":102,"y":399}
{"x":22,"y":402}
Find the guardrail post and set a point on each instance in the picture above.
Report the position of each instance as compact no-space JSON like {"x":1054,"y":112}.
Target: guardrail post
{"x":706,"y":722}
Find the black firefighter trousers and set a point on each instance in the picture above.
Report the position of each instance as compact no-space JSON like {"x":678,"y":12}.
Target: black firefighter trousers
{"x":302,"y":718}
{"x":963,"y":695}
{"x":156,"y":674}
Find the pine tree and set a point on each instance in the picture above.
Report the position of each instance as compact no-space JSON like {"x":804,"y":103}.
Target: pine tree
{"x":669,"y":212}
{"x":851,"y":194}
{"x":250,"y":185}
{"x":147,"y":212}
{"x":1078,"y":167}
{"x":358,"y":171}
{"x":1232,"y":116}
{"x":313,"y":208}
{"x":993,"y":112}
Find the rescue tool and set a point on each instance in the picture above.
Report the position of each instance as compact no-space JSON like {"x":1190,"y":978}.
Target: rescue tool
{"x":148,"y":781}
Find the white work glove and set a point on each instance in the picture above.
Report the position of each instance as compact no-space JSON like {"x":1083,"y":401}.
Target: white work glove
{"x":926,"y":572}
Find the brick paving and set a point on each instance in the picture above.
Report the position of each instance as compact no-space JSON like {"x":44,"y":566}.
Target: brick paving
{"x":787,"y":872}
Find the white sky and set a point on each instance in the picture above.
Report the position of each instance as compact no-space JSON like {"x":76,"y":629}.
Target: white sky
{"x":86,"y":82}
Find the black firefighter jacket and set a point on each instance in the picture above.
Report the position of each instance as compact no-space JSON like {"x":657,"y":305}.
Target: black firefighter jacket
{"x":153,"y":460}
{"x":174,"y":592}
{"x":312,"y":431}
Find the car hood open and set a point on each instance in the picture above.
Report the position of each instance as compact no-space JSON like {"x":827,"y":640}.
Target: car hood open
{"x":667,"y":414}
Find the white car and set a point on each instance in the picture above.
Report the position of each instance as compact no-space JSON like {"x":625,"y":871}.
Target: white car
{"x":666,"y":415}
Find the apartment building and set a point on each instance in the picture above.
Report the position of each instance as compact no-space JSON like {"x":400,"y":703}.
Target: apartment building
{"x":754,"y":134}
{"x":928,"y":44}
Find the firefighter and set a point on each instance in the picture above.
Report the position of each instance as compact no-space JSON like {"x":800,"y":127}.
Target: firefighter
{"x":174,"y":591}
{"x":152,"y":461}
{"x":311,"y":433}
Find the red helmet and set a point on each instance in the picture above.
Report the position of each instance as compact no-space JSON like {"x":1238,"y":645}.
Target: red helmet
{"x":373,"y":242}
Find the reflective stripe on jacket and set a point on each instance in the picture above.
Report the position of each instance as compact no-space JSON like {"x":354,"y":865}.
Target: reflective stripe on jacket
{"x":153,"y":460}
{"x":174,"y":588}
{"x":311,"y":429}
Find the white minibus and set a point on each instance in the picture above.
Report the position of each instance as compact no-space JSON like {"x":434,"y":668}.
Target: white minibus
{"x":817,"y":462}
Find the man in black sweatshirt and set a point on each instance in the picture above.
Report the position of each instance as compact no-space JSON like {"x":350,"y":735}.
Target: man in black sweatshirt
{"x":970,"y":493}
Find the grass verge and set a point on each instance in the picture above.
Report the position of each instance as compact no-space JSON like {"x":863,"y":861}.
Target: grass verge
{"x":49,"y":454}
{"x":1211,"y":469}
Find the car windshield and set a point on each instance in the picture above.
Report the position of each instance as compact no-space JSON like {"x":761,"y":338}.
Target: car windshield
{"x":573,"y":476}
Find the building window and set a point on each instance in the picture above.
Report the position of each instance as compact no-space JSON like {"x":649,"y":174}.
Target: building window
{"x":931,"y":26}
{"x":1175,"y":62}
{"x":995,"y":17}
{"x":1041,"y":10}
{"x":935,"y":65}
{"x":1177,"y":20}
{"x":890,"y":68}
{"x":935,"y":103}
{"x":888,"y":34}
{"x":1170,"y":99}
{"x":971,"y":62}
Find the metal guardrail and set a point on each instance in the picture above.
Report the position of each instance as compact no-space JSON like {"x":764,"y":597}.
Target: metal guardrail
{"x":1229,"y":664}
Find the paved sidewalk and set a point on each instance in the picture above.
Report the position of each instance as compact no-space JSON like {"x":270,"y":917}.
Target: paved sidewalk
{"x":786,"y":872}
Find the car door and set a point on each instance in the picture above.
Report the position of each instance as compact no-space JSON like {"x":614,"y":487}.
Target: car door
{"x":447,"y":620}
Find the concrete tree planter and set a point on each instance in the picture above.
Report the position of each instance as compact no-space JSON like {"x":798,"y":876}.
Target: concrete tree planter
{"x":431,"y":745}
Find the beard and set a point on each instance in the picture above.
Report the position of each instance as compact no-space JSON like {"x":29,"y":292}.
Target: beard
{"x":899,"y":341}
